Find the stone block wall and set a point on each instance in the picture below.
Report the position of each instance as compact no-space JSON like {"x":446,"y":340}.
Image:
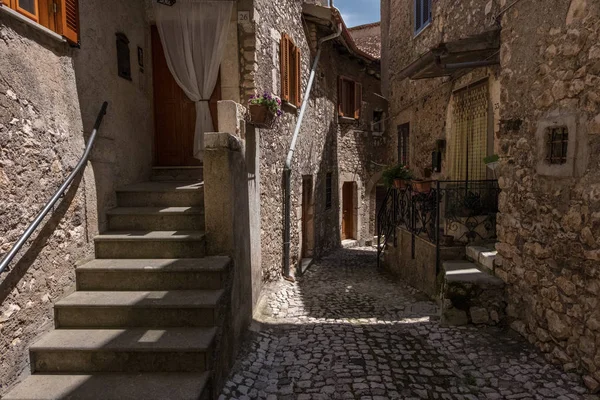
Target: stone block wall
{"x":50,"y":95}
{"x":319,"y":150}
{"x":425,"y":103}
{"x":549,"y":224}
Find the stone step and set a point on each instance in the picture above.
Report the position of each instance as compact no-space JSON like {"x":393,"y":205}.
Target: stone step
{"x":177,"y":174}
{"x":470,"y":295}
{"x":179,"y":308}
{"x":123,"y":350}
{"x":147,"y":386}
{"x":208,"y":273}
{"x":162,"y":194}
{"x":150,"y":244}
{"x":484,"y":256}
{"x":156,"y":218}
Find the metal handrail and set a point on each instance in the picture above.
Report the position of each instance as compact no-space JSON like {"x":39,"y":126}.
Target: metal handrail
{"x":59,"y":193}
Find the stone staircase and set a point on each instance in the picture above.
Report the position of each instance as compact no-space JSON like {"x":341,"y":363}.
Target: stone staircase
{"x":144,"y":319}
{"x":470,"y":292}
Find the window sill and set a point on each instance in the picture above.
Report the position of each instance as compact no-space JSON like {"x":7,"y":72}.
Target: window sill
{"x":32,"y":23}
{"x":346,"y":120}
{"x":289,"y":107}
{"x":422,"y":29}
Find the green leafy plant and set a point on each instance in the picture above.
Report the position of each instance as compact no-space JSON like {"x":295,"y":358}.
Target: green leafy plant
{"x":491,"y":159}
{"x":399,"y":171}
{"x":273,"y":103}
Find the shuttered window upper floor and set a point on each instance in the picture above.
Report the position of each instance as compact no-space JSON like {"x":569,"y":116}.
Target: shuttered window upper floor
{"x":60,"y":16}
{"x":291,"y":71}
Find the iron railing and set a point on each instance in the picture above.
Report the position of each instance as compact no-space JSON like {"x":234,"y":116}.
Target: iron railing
{"x":59,"y":193}
{"x":441,"y":212}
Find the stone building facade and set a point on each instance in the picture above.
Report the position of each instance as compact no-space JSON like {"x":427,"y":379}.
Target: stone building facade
{"x":351,"y":151}
{"x":51,"y":92}
{"x":549,"y":226}
{"x":50,"y":95}
{"x":542,"y":79}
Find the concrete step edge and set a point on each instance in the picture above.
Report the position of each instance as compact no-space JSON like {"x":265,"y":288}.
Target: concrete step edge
{"x":156,"y":211}
{"x":207,"y":264}
{"x":150,"y":236}
{"x":175,"y":299}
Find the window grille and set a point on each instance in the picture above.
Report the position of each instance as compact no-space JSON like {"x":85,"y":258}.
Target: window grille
{"x":558,"y":142}
{"x":404,"y":144}
{"x":470,"y":134}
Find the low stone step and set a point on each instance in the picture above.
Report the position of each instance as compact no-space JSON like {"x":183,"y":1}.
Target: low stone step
{"x":123,"y":350}
{"x":150,"y":244}
{"x":484,"y":256}
{"x":147,"y":386}
{"x":156,"y":218}
{"x":177,"y":174}
{"x":470,"y":295}
{"x":181,"y":308}
{"x":208,"y":273}
{"x":162,"y":194}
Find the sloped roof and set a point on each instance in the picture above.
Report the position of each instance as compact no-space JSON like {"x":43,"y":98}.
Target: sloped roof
{"x":368,"y":38}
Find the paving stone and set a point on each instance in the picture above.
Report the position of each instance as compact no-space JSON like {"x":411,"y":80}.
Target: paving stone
{"x":346,"y":330}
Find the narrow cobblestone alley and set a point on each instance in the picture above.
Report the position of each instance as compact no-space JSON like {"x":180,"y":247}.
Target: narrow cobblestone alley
{"x":348,"y":331}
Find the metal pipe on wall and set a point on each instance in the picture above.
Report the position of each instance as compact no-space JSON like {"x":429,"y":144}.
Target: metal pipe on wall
{"x":287,"y":173}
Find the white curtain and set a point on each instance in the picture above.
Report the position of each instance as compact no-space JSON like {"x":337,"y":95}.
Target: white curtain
{"x":193,"y":34}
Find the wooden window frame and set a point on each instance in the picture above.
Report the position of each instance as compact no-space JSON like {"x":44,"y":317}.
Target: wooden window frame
{"x":349,"y":98}
{"x":291,"y":71}
{"x":60,"y":16}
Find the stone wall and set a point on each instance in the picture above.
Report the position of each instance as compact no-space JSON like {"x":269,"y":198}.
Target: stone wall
{"x":319,"y":150}
{"x":50,"y":94}
{"x":425,"y":103}
{"x":549,"y":225}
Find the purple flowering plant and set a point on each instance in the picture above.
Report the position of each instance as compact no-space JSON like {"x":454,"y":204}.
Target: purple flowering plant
{"x":272,"y":102}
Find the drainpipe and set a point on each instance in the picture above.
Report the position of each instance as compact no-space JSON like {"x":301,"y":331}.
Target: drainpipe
{"x":287,"y":172}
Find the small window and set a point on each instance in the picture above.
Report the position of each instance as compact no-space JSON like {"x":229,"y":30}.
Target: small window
{"x":378,"y":121}
{"x":404,"y":144}
{"x":349,"y":98}
{"x":291,"y":67}
{"x":328,"y":186}
{"x":557,"y":145}
{"x":60,"y":16}
{"x":123,"y":57}
{"x":422,"y":14}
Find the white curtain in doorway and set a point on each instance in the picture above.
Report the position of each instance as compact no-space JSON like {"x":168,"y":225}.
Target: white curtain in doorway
{"x":193,"y":34}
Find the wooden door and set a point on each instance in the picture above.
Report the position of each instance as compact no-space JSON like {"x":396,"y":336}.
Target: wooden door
{"x":307,"y":217}
{"x":348,"y":211}
{"x":174,"y":113}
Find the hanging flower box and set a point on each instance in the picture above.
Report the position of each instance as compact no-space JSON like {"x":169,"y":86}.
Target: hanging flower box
{"x":421,"y":186}
{"x":263,"y":111}
{"x":400,"y":183}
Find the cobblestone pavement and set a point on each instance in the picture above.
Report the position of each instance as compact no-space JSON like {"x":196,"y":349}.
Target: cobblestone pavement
{"x":347,"y":331}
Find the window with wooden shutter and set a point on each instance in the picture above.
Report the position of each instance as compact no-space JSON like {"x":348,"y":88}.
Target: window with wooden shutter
{"x":349,"y":98}
{"x":70,"y":20}
{"x":291,"y":71}
{"x":60,"y":16}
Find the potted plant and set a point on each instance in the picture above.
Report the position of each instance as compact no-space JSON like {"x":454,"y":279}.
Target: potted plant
{"x":397,"y":176}
{"x":492,"y":162}
{"x":421,"y":186}
{"x":263,"y":110}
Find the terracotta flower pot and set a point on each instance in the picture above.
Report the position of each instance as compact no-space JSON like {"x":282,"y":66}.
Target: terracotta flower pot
{"x":400,"y":183}
{"x":261,"y":116}
{"x":422,"y":186}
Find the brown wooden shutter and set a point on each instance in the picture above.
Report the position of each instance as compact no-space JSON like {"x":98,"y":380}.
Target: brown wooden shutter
{"x":284,"y":55}
{"x":69,"y":10}
{"x":340,"y":96}
{"x":6,"y":2}
{"x":298,"y":76}
{"x":357,"y":99}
